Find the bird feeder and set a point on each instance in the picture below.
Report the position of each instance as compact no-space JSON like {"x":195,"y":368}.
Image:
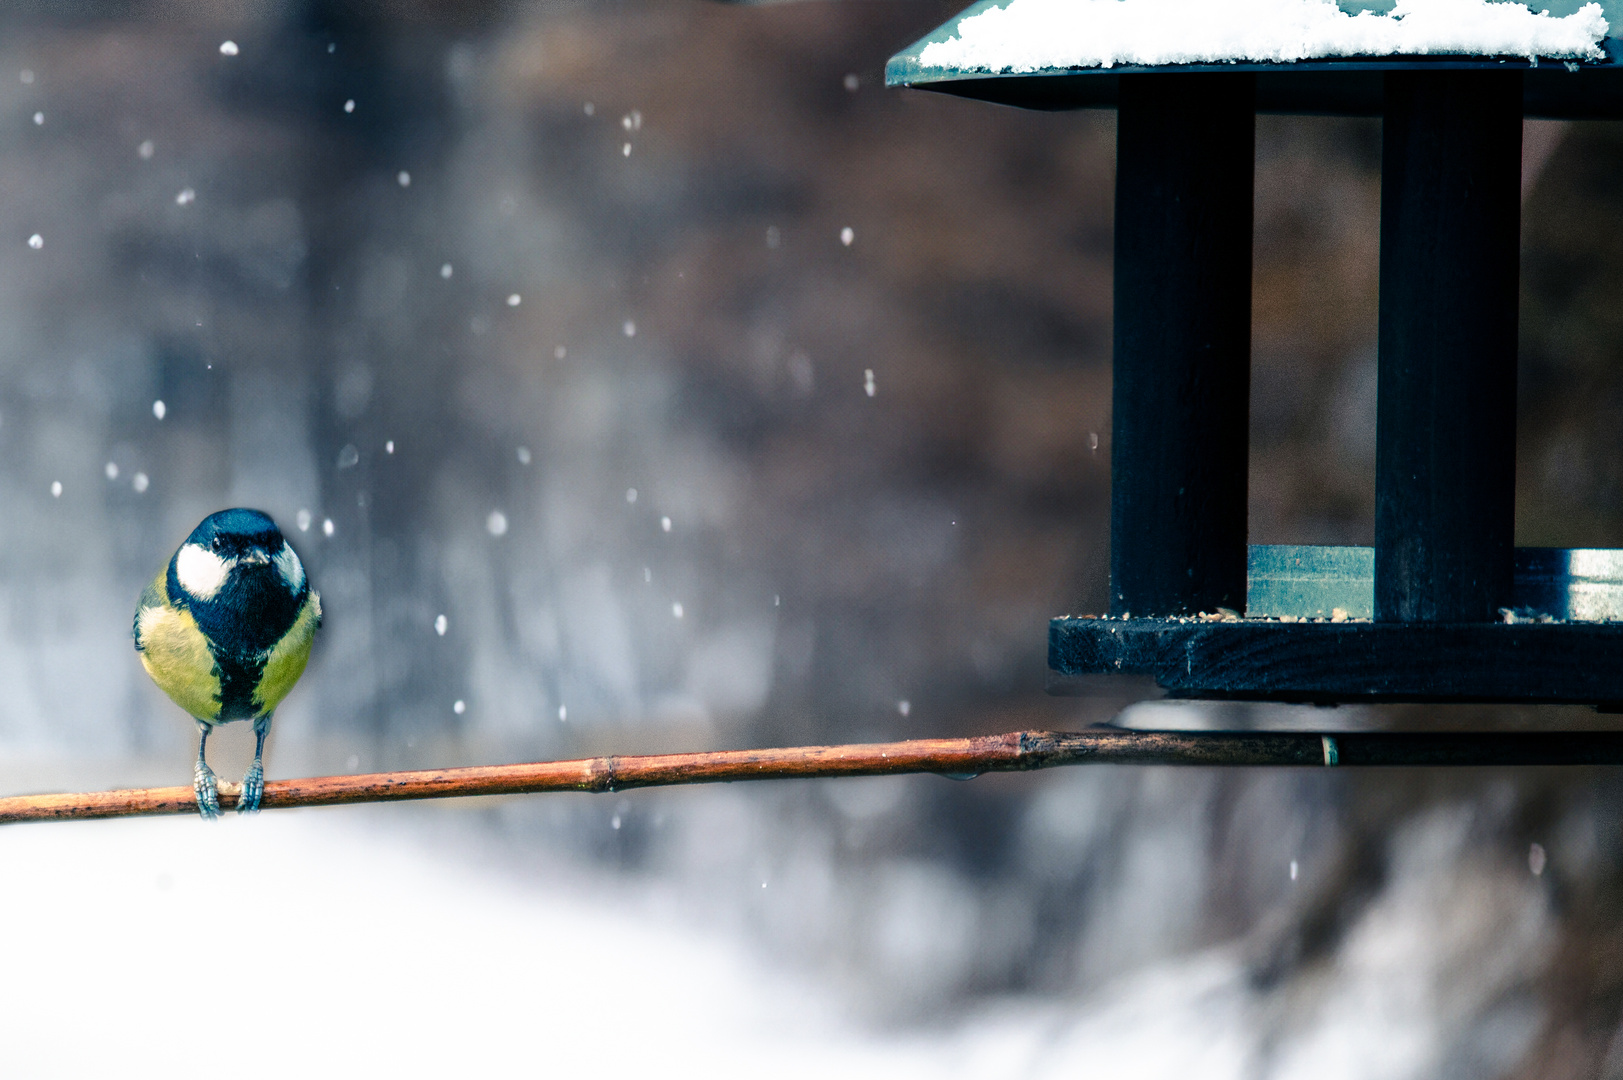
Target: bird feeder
{"x":1444,"y":607}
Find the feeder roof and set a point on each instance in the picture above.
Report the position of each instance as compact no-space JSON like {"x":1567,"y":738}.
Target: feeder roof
{"x":1309,"y":55}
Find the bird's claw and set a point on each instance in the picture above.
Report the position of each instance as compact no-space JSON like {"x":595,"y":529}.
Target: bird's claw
{"x":208,"y":792}
{"x":253,"y":788}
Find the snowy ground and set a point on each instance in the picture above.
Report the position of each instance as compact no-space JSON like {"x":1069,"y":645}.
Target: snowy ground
{"x":297,"y":942}
{"x":315,"y":943}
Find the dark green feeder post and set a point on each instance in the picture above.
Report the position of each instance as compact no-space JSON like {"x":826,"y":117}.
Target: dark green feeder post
{"x":1444,"y":607}
{"x":1445,"y":455}
{"x":1182,"y":347}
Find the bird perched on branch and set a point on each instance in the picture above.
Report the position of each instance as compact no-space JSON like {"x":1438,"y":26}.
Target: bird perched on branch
{"x":225,"y":630}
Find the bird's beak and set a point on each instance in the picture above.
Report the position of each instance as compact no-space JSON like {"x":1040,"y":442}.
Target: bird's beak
{"x":255,"y":557}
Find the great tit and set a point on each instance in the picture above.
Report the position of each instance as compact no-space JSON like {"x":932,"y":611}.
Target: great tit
{"x":225,"y":630}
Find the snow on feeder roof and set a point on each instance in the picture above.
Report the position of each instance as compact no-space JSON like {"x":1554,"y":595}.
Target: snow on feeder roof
{"x":1310,"y":55}
{"x":1030,"y":35}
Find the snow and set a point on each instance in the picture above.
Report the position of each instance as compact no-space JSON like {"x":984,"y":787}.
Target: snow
{"x":322,"y":943}
{"x":1031,"y":35}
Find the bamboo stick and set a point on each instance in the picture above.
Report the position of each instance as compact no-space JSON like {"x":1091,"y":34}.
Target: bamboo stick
{"x":957,"y":758}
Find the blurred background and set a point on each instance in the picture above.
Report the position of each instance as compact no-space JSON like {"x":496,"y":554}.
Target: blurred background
{"x":642,"y":375}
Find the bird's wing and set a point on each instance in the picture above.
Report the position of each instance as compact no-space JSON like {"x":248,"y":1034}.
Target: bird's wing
{"x":154,"y":595}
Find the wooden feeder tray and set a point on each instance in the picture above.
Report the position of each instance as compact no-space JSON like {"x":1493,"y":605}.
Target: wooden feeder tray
{"x":1309,"y":637}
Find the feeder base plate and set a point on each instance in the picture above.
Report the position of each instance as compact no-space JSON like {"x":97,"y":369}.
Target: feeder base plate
{"x":1346,"y":662}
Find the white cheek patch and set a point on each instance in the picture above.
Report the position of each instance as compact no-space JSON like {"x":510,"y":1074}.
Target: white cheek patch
{"x":288,"y":565}
{"x":201,"y":572}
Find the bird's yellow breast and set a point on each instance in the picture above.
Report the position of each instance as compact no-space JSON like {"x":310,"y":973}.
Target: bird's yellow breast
{"x":287,"y":658}
{"x":176,"y":654}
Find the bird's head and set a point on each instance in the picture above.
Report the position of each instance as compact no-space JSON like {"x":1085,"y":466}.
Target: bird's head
{"x":236,"y":554}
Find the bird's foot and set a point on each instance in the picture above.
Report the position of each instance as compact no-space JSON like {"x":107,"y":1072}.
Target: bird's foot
{"x":208,"y":792}
{"x":253,"y":788}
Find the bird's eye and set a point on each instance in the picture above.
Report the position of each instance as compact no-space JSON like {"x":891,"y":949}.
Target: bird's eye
{"x":219,"y":543}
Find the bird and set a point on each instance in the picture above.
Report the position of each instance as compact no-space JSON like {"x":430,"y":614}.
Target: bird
{"x":225,"y":630}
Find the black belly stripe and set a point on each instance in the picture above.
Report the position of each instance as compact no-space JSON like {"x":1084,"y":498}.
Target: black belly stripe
{"x":238,"y":681}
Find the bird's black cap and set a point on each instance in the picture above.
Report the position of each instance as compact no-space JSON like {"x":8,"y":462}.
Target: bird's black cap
{"x":237,"y":528}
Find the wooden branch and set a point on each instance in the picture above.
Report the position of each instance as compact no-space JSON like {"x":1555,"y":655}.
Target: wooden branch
{"x":957,"y":758}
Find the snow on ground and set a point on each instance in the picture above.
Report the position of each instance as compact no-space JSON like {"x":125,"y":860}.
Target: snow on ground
{"x":299,"y":944}
{"x":314,"y":943}
{"x":1029,"y":35}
